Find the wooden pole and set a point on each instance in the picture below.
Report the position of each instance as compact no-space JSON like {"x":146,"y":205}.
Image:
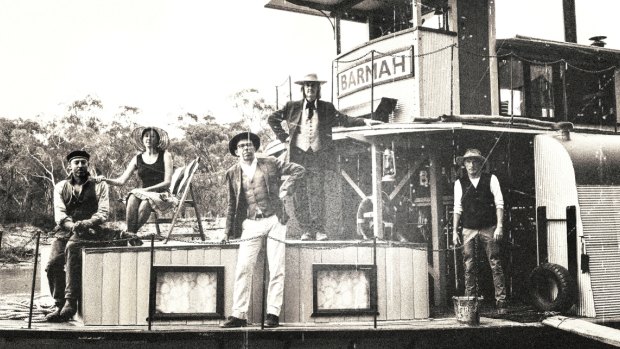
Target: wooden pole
{"x":34,"y":278}
{"x":376,"y":191}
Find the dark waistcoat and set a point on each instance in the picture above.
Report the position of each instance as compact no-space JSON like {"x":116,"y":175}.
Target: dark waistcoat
{"x":83,"y":206}
{"x":478,"y":203}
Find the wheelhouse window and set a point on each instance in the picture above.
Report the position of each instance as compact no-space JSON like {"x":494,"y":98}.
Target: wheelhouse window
{"x":556,"y":92}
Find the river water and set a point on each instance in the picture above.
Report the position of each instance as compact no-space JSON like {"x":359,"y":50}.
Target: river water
{"x":17,"y":280}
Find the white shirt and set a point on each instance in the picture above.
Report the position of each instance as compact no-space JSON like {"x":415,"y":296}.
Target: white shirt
{"x":495,"y":189}
{"x":250,"y":169}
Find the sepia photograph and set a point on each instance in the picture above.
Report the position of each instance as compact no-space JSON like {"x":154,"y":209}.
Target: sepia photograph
{"x":309,"y":174}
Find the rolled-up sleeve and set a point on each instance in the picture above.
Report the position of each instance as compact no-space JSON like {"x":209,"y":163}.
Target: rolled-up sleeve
{"x":497,"y":192}
{"x":103,"y":203}
{"x":458,"y":195}
{"x":60,"y":210}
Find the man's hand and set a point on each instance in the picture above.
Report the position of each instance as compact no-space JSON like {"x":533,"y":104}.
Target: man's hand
{"x":82,"y":228}
{"x":498,"y":234}
{"x":99,"y":179}
{"x":456,"y":238}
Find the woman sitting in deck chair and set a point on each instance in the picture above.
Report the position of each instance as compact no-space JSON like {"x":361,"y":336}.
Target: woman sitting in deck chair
{"x":154,"y":168}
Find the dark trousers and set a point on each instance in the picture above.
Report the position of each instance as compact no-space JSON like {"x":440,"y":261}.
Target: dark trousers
{"x":64,"y":268}
{"x":309,"y":198}
{"x":482,"y":239}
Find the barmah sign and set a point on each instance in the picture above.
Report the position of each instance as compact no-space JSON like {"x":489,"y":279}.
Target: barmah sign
{"x":387,"y":68}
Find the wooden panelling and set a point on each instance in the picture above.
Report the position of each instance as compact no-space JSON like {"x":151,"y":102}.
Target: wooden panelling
{"x":381,"y":284}
{"x":178,"y":257}
{"x":420,"y":284}
{"x":406,"y":282}
{"x":142,"y":286}
{"x":392,"y":272}
{"x":307,"y":257}
{"x":111,"y":288}
{"x":229,"y":259}
{"x":213,"y":256}
{"x":292,"y":289}
{"x":128,"y":288}
{"x":92,"y":270}
{"x":118,"y":282}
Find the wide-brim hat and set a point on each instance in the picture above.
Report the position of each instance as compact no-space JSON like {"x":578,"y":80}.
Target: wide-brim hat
{"x":136,"y":137}
{"x":470,"y":154}
{"x":78,"y":154}
{"x":232,"y":144}
{"x":310,"y":78}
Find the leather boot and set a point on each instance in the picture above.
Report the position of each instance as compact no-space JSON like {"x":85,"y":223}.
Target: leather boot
{"x":69,"y":309}
{"x":54,"y":316}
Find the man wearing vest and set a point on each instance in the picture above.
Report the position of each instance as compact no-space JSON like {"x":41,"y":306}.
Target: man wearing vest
{"x":80,"y":207}
{"x":479,"y":204}
{"x":255,"y":209}
{"x":309,"y":136}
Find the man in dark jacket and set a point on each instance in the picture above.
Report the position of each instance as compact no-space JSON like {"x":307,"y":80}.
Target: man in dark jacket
{"x":80,"y":207}
{"x":255,"y":209}
{"x":309,"y":136}
{"x":479,"y":203}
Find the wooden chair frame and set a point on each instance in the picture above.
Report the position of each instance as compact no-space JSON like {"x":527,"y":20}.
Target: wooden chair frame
{"x":182,"y":184}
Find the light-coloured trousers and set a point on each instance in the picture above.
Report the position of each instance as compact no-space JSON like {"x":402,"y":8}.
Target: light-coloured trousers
{"x":246,"y":261}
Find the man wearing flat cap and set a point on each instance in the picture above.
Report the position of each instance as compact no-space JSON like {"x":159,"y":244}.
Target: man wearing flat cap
{"x":255,"y":210}
{"x":479,"y":205}
{"x":309,"y":138}
{"x":80,"y":207}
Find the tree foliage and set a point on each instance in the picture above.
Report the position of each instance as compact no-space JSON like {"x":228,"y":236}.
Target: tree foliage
{"x":32,"y":154}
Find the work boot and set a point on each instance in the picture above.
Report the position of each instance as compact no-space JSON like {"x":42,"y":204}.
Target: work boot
{"x":306,"y":237}
{"x":272,"y":321}
{"x":54,"y":316}
{"x":502,"y":307}
{"x":69,"y":309}
{"x":234,"y":322}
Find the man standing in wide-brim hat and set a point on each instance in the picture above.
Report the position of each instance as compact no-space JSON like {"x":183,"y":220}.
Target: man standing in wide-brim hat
{"x":310,"y":122}
{"x":255,"y":209}
{"x":479,"y":204}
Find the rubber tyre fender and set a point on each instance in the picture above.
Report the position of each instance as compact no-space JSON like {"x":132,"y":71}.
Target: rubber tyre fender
{"x":566,"y":287}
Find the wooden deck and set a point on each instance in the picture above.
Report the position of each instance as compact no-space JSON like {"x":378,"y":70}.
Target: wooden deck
{"x":434,"y":333}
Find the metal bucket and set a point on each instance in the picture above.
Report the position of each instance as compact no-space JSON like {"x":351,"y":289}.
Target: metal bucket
{"x":466,"y":309}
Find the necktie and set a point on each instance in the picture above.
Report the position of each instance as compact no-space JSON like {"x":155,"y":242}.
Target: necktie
{"x":310,"y":106}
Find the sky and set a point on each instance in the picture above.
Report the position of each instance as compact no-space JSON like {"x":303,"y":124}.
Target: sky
{"x":169,"y":57}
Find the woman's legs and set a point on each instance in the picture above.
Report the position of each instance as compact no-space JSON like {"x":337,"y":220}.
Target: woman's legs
{"x":131,"y":216}
{"x":144,"y":212}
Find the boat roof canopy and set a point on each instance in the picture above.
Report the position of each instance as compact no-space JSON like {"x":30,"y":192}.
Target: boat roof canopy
{"x":352,"y":10}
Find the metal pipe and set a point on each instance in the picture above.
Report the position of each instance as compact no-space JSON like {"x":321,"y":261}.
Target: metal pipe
{"x":151,"y":296}
{"x":374,"y":262}
{"x":264,"y":295}
{"x":372,"y":84}
{"x":570,"y":21}
{"x":34,"y":278}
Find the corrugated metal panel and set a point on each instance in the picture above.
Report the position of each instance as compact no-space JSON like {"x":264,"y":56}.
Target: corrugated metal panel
{"x":556,"y":189}
{"x":435,"y":69}
{"x":600,"y":216}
